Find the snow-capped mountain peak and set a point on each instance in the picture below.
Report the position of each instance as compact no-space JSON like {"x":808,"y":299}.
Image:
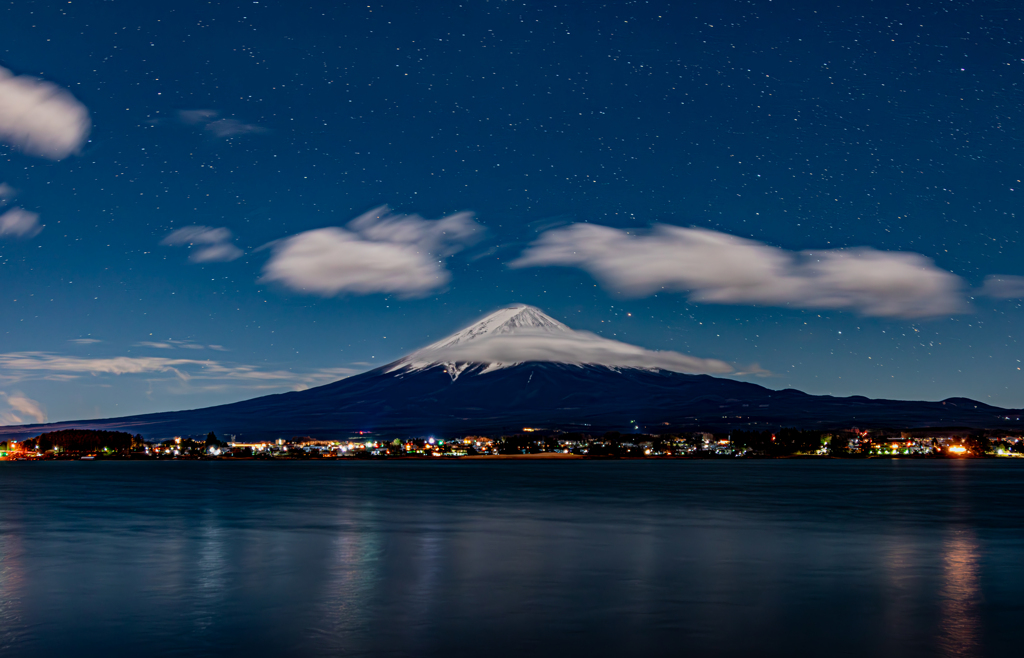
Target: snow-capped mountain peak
{"x":509,"y":320}
{"x":515,"y":319}
{"x":520,"y":334}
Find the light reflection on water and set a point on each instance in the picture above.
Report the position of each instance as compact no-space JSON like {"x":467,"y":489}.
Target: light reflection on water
{"x":12,"y":586}
{"x":961,"y":594}
{"x":770,"y":558}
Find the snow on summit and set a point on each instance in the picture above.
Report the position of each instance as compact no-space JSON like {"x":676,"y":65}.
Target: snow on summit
{"x":513,"y":319}
{"x":520,"y":334}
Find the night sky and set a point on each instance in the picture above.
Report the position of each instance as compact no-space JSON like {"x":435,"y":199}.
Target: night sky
{"x":824,"y":197}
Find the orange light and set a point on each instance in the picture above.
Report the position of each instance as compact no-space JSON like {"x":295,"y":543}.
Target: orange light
{"x":959,"y":450}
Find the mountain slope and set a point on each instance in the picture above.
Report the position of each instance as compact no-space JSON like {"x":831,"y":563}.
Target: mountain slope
{"x":505,"y":388}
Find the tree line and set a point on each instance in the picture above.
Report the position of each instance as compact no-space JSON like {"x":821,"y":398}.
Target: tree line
{"x":84,"y":441}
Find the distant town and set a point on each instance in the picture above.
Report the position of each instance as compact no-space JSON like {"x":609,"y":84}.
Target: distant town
{"x":530,"y":443}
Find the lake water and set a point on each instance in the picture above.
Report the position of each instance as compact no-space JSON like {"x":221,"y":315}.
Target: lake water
{"x":583,"y":558}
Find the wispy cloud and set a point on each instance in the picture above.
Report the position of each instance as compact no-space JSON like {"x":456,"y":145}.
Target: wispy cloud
{"x":39,"y":118}
{"x":19,"y":223}
{"x":1003,"y":286}
{"x":754,"y":369}
{"x":49,"y":362}
{"x":575,"y":347}
{"x":232,"y":127}
{"x":177,"y":344}
{"x":197,"y":235}
{"x":20,"y":366}
{"x":193,"y":117}
{"x":218,"y":253}
{"x":16,"y":222}
{"x":720,"y":268}
{"x":85,"y":341}
{"x":378,"y":252}
{"x":209,"y":244}
{"x":218,"y":127}
{"x":20,"y":410}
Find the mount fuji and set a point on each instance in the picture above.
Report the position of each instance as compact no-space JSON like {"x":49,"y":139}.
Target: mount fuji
{"x":519,"y":367}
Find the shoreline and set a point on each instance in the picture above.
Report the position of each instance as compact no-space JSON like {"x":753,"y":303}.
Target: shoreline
{"x":544,"y":456}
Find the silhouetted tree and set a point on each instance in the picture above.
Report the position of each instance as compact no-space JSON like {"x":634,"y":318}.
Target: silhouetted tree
{"x":79,"y":441}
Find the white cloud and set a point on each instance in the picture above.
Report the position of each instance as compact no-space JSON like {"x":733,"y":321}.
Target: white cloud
{"x":19,"y":223}
{"x":724,"y":269}
{"x":16,"y":222}
{"x":378,"y":252}
{"x":45,"y":361}
{"x":20,"y":410}
{"x":20,"y":366}
{"x":85,"y":341}
{"x":442,"y":236}
{"x":218,"y":253}
{"x":197,"y":235}
{"x":40,"y":118}
{"x":173,"y":344}
{"x":576,"y":347}
{"x":218,"y":247}
{"x":1004,"y":286}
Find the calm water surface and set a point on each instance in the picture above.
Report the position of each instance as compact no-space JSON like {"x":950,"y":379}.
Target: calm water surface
{"x":699,"y":558}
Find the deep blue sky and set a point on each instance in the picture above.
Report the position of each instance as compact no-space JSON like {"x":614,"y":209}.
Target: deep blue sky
{"x":860,"y":124}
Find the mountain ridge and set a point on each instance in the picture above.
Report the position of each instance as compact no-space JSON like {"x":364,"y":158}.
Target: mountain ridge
{"x":447,"y":389}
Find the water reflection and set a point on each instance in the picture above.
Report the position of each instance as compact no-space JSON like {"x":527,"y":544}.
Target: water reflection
{"x":12,"y":582}
{"x":903,"y":562}
{"x":961,"y":596}
{"x":211,"y":573}
{"x":349,"y":570}
{"x":597,"y":559}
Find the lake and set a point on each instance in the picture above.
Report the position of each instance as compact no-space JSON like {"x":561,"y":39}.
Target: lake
{"x":512,"y":558}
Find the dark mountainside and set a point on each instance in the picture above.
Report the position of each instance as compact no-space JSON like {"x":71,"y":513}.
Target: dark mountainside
{"x":426,"y":394}
{"x":542,"y":395}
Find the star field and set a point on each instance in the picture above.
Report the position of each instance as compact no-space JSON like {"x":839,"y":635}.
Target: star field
{"x":894,"y":126}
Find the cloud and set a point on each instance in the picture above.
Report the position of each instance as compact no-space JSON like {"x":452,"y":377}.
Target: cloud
{"x":724,"y":269}
{"x":173,"y":344}
{"x":217,"y":240}
{"x":193,"y":117}
{"x":21,"y":410}
{"x":40,"y":118}
{"x":756,"y":370}
{"x":378,"y":252}
{"x":19,"y":366}
{"x":223,"y":128}
{"x":218,"y":253}
{"x":1003,"y":286}
{"x":197,"y":235}
{"x":232,"y":127}
{"x":19,"y":223}
{"x":85,"y":341}
{"x":45,"y":361}
{"x":16,"y":222}
{"x":577,"y":347}
{"x":443,"y":236}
